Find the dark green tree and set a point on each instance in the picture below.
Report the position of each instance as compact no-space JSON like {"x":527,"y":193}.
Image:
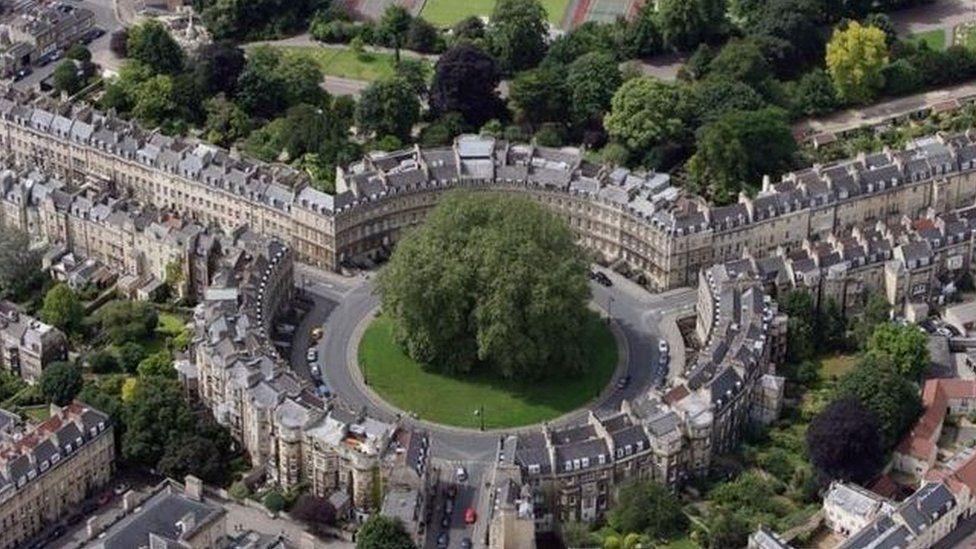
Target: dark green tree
{"x":465,"y":82}
{"x":217,"y":67}
{"x":388,"y":107}
{"x":394,"y":26}
{"x":66,"y":77}
{"x":712,"y":98}
{"x":643,"y":38}
{"x":154,"y":414}
{"x":151,"y":44}
{"x":60,"y":382}
{"x":423,"y":36}
{"x":79,"y":53}
{"x":203,"y":454}
{"x":489,"y":282}
{"x":274,"y":502}
{"x":130,"y":355}
{"x":18,"y":259}
{"x":742,"y":61}
{"x":124,"y":321}
{"x":539,"y":95}
{"x":382,"y":532}
{"x":649,"y":508}
{"x":686,"y":23}
{"x":880,"y":388}
{"x":591,"y":81}
{"x":102,"y":361}
{"x":813,"y":94}
{"x":844,"y":442}
{"x":517,"y":34}
{"x":876,"y":311}
{"x":738,"y":149}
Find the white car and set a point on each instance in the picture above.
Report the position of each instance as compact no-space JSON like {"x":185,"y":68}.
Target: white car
{"x":461,"y":474}
{"x":312,"y":355}
{"x":662,"y":346}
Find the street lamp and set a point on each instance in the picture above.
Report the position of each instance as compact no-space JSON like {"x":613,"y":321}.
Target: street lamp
{"x":480,"y":412}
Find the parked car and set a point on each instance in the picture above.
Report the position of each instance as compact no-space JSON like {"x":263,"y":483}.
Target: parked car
{"x":121,"y":488}
{"x":446,"y":522}
{"x":313,"y":368}
{"x":461,"y":474}
{"x":603,"y":279}
{"x":312,"y":355}
{"x":323,"y":390}
{"x":317,"y":333}
{"x":448,"y":506}
{"x":662,"y":346}
{"x":470,"y":517}
{"x":451,"y":491}
{"x":623,"y":382}
{"x":443,"y":539}
{"x":22,"y":74}
{"x":466,"y":543}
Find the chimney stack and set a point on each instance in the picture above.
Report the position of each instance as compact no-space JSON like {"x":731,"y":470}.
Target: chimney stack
{"x":193,"y":488}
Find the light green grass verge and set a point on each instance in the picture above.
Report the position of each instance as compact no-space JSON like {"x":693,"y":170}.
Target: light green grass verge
{"x":445,"y":13}
{"x":935,"y":38}
{"x":452,"y":400}
{"x":345,"y":63}
{"x":837,"y":365}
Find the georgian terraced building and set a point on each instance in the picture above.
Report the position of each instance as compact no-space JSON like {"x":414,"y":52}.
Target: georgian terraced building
{"x":663,"y":236}
{"x":670,"y":435}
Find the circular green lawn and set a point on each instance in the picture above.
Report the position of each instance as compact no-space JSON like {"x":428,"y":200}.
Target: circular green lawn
{"x":453,"y":399}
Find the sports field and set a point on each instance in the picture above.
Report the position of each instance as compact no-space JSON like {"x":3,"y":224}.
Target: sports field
{"x":453,"y":399}
{"x":445,"y":13}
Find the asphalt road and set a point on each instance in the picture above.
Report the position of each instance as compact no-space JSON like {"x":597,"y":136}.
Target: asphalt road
{"x":341,"y":307}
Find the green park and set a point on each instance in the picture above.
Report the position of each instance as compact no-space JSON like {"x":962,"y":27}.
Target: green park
{"x":460,"y":399}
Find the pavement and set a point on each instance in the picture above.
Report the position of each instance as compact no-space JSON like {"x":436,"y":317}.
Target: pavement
{"x":941,"y":14}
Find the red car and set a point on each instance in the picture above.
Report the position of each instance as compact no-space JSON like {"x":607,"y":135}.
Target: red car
{"x":470,"y":517}
{"x":105,"y":498}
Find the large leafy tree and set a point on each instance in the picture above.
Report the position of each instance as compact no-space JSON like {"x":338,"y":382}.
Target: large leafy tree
{"x":62,"y":309}
{"x":644,"y":112}
{"x":876,"y":311}
{"x":125,"y":321}
{"x":66,"y":77}
{"x":388,"y":107}
{"x":382,"y":532}
{"x":151,"y":44}
{"x":155,"y":416}
{"x":517,"y":34}
{"x":686,"y":23}
{"x":647,"y":508}
{"x":217,"y":67}
{"x":394,"y":26}
{"x":710,"y":99}
{"x":856,"y":57}
{"x":738,"y":149}
{"x":465,"y":82}
{"x":60,"y":382}
{"x":592,"y":80}
{"x":904,"y":345}
{"x":18,"y":260}
{"x":539,"y":95}
{"x":880,"y":388}
{"x":202,"y":454}
{"x":845,"y":443}
{"x":489,"y":281}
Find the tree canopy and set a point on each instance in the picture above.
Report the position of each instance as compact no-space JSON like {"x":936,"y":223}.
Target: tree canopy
{"x":382,"y":532}
{"x":388,"y":107}
{"x":883,"y":390}
{"x":856,"y":57}
{"x":62,"y":309}
{"x":648,"y":508}
{"x":151,"y":44}
{"x":60,"y":382}
{"x":686,"y":23}
{"x":465,"y":82}
{"x":489,"y":282}
{"x":905,"y":345}
{"x":844,"y":442}
{"x":517,"y":34}
{"x":645,"y":111}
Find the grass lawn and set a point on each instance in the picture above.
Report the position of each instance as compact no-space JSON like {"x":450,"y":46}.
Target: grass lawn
{"x":445,"y":13}
{"x":37,"y":414}
{"x":967,"y":37}
{"x":935,"y":38}
{"x":837,"y":365}
{"x":170,"y":325}
{"x":345,"y":63}
{"x":453,"y":400}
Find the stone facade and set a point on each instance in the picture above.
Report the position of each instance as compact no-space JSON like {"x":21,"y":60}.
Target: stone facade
{"x":284,"y":425}
{"x":48,"y":469}
{"x":28,"y":345}
{"x":669,"y":435}
{"x":637,"y":221}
